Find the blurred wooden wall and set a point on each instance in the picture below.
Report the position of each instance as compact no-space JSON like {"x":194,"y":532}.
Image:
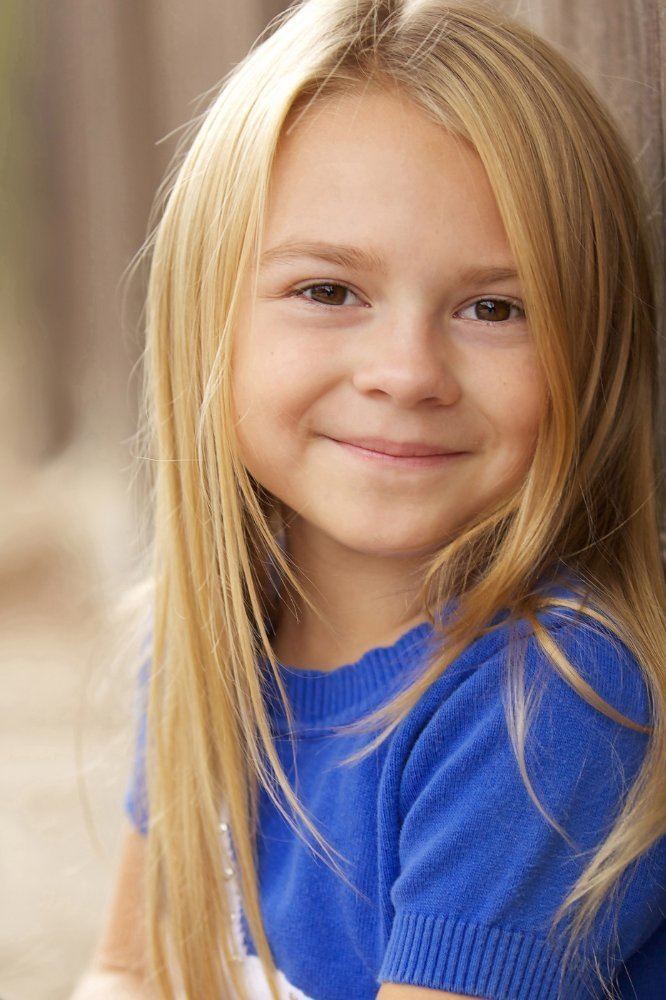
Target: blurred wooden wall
{"x":98,"y":94}
{"x":95,"y":93}
{"x":620,"y":45}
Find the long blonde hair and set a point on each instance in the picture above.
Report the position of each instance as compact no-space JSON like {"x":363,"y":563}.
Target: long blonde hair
{"x":575,"y":214}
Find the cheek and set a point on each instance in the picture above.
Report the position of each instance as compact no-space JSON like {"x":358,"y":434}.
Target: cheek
{"x":273,"y":390}
{"x":514,"y":405}
{"x":277,"y":360}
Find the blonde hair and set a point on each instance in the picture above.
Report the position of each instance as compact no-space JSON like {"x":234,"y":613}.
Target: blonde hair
{"x":576,"y":217}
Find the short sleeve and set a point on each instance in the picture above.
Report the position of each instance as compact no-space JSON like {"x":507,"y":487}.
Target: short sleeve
{"x":481,"y":871}
{"x":136,"y":798}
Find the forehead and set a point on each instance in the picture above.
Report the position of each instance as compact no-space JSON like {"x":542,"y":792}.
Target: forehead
{"x":373,"y":167}
{"x":376,"y":114}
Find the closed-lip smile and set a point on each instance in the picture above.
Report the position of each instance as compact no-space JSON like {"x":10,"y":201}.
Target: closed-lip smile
{"x":397,"y":449}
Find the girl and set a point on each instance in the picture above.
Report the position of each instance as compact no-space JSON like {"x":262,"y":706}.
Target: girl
{"x":401,"y":384}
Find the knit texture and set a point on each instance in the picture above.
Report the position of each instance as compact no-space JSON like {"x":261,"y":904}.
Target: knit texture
{"x":457,"y":873}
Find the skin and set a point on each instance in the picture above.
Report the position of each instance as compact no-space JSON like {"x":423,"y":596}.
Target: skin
{"x":409,"y":354}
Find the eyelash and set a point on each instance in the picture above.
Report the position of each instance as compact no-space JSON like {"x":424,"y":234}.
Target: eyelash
{"x":298,"y":293}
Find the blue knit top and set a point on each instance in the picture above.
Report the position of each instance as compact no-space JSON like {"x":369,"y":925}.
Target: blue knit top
{"x":453,"y":874}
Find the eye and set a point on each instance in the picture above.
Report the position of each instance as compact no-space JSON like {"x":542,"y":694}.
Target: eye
{"x":334,"y":292}
{"x":495,"y":312}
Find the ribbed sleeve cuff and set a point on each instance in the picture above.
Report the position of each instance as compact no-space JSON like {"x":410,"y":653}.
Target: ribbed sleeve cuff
{"x":445,"y":953}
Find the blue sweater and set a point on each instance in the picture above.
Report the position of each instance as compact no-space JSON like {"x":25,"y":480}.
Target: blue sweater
{"x":457,"y":872}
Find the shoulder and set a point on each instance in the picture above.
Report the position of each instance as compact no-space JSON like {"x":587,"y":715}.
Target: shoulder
{"x":576,"y":696}
{"x":604,"y":665}
{"x":490,"y":841}
{"x":569,"y":655}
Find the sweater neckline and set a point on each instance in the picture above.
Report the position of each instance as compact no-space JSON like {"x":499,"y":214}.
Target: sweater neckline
{"x":334,"y":696}
{"x":319,"y":698}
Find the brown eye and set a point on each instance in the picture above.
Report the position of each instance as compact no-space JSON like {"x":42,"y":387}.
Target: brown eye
{"x":332,"y":294}
{"x":493,"y":311}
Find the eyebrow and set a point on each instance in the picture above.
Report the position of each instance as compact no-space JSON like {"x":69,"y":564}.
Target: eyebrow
{"x":368,"y":260}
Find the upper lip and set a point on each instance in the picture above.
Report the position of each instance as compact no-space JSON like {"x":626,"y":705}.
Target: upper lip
{"x":402,"y":449}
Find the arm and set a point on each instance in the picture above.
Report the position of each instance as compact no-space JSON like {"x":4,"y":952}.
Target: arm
{"x":117,"y":968}
{"x":480,"y":871}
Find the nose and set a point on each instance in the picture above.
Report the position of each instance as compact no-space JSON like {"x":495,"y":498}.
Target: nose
{"x":411,"y":361}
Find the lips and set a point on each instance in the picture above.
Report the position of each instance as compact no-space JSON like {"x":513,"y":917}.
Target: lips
{"x":398,"y":449}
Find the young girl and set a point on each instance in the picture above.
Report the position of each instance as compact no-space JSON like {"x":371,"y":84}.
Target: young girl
{"x":402,"y":704}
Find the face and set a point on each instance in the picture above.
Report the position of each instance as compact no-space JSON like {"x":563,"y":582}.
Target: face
{"x":400,"y":342}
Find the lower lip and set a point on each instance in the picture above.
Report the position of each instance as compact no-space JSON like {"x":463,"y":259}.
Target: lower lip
{"x":400,"y":461}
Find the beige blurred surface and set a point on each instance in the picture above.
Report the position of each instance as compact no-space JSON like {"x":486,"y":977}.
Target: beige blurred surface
{"x":66,"y":723}
{"x":91,"y":101}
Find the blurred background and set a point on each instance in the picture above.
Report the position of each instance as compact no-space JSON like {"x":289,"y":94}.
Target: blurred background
{"x":93,"y":98}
